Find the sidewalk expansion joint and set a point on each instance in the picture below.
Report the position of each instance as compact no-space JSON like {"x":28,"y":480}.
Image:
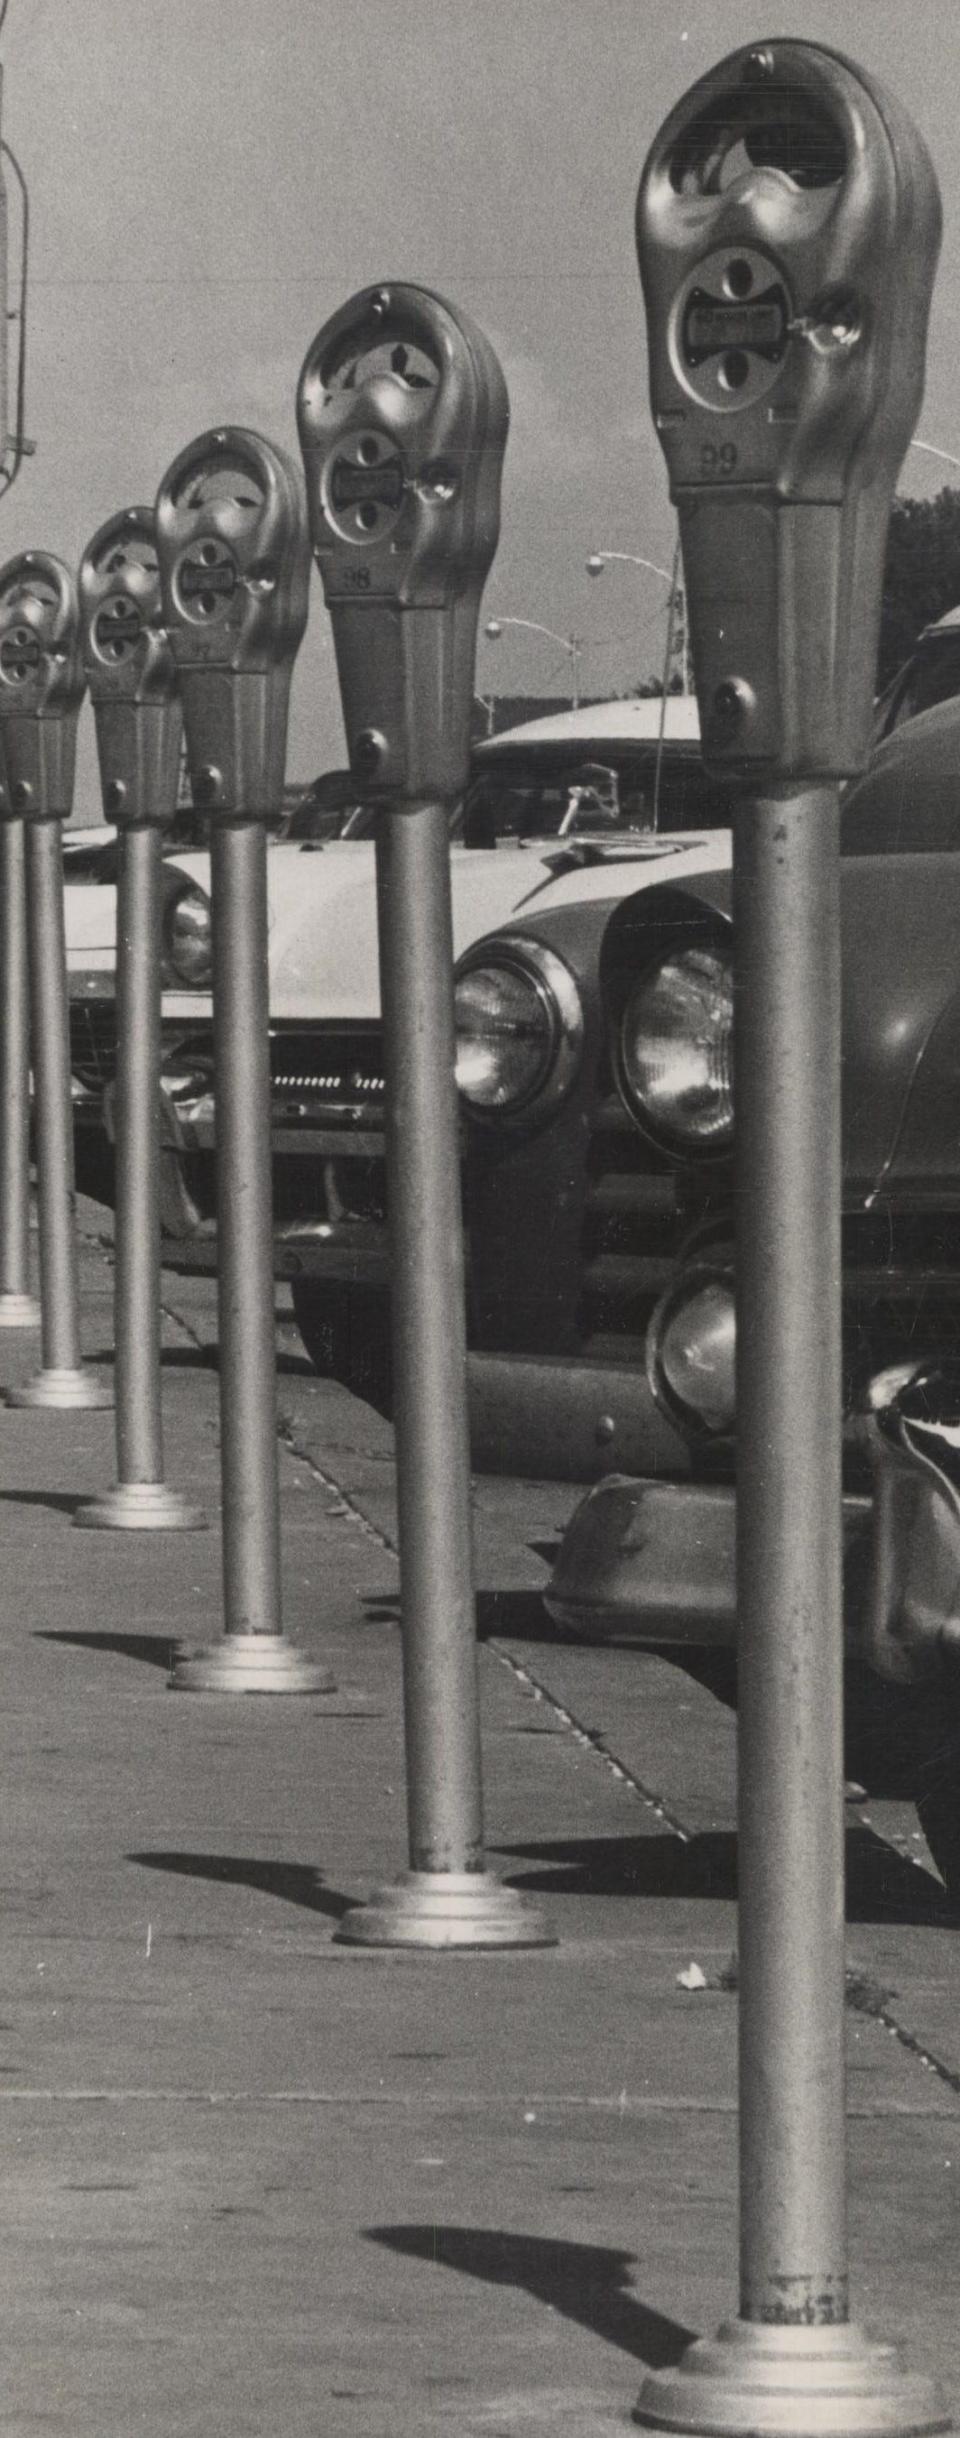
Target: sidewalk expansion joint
{"x":864,"y":1996}
{"x":346,"y":1505}
{"x":592,"y":1739}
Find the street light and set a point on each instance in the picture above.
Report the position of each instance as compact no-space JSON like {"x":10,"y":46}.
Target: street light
{"x":676,"y":623}
{"x":572,"y":644}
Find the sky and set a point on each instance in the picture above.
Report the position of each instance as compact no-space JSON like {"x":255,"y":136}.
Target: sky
{"x":210,"y":179}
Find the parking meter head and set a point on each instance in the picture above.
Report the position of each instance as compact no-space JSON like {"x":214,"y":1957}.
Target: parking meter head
{"x":234,"y":553}
{"x":788,"y":224}
{"x":130,"y":669}
{"x":41,"y":683}
{"x":403,"y":414}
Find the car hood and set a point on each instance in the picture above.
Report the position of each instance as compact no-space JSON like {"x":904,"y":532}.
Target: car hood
{"x":90,"y":903}
{"x":323,"y":911}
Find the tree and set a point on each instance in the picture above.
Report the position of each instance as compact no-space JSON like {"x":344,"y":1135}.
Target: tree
{"x":922,"y":574}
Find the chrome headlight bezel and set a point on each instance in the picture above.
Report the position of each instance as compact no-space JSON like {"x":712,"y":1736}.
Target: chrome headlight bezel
{"x":174,"y":976}
{"x":705,"y":1418}
{"x":681,"y":1141}
{"x":558,"y":998}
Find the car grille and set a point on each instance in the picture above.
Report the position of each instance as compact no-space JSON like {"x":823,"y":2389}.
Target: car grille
{"x":326,"y":1076}
{"x":631,"y":1232}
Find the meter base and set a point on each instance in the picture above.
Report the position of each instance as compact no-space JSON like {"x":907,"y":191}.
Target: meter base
{"x":250,"y":1663}
{"x":790,"y":2382}
{"x":18,"y":1311}
{"x":62,"y":1391}
{"x":446,"y":1909}
{"x":141,"y":1506}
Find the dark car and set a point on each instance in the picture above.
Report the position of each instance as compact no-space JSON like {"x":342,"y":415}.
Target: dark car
{"x":649,"y":1556}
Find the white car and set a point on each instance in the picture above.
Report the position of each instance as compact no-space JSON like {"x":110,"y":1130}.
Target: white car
{"x":566,"y":809}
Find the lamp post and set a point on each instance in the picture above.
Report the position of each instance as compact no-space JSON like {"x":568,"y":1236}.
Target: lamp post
{"x":571,"y":644}
{"x":677,"y":622}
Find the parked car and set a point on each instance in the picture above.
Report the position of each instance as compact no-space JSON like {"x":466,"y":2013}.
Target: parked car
{"x":569,"y":809}
{"x":930,"y":675}
{"x":649,"y":1555}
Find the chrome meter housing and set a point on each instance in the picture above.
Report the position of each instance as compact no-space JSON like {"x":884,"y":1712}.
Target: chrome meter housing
{"x":519,"y":1029}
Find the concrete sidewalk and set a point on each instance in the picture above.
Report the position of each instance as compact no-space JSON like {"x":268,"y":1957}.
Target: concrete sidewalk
{"x":257,"y":2182}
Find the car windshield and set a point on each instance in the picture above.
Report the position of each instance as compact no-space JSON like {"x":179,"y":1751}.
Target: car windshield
{"x":552,"y":792}
{"x":932,"y":676}
{"x":561,"y":795}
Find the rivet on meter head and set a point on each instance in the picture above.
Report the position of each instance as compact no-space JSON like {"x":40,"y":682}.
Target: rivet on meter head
{"x":114,"y":795}
{"x":732,"y":701}
{"x":207,"y":784}
{"x":368,"y":752}
{"x":380,"y":304}
{"x":758,"y":65}
{"x":606,"y":1429}
{"x":22,"y":796}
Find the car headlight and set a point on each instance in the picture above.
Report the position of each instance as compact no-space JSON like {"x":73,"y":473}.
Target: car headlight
{"x":519,"y":1028}
{"x":675,"y":1049}
{"x":692,"y":1352}
{"x":187,"y":944}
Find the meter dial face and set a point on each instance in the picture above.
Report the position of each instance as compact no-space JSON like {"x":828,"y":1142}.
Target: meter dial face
{"x":130,"y":574}
{"x":730,"y":327}
{"x":365,"y":481}
{"x":23,"y":642}
{"x":226,"y":501}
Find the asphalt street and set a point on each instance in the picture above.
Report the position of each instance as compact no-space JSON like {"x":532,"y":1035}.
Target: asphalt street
{"x":254,"y":2180}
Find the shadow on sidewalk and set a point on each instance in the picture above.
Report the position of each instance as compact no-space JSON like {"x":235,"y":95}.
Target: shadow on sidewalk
{"x":588,"y":2282}
{"x":157,"y":1650}
{"x":60,"y":1502}
{"x":881,"y":1885}
{"x":298,"y":1883}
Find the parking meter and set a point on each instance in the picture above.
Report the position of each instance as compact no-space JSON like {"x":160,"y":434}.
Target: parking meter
{"x":133,"y":687}
{"x":235,"y":571}
{"x":234,"y":558}
{"x":403,"y":412}
{"x":788,"y":224}
{"x":130,"y":670}
{"x":41,"y":690}
{"x":41,"y":683}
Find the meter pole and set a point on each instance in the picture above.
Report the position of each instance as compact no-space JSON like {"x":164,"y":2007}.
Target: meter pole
{"x":253,"y":1654}
{"x":792,"y":2359}
{"x":63,"y":1382}
{"x":141,"y":1500}
{"x":787,"y":1068}
{"x":18,"y":1308}
{"x":447,"y":1898}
